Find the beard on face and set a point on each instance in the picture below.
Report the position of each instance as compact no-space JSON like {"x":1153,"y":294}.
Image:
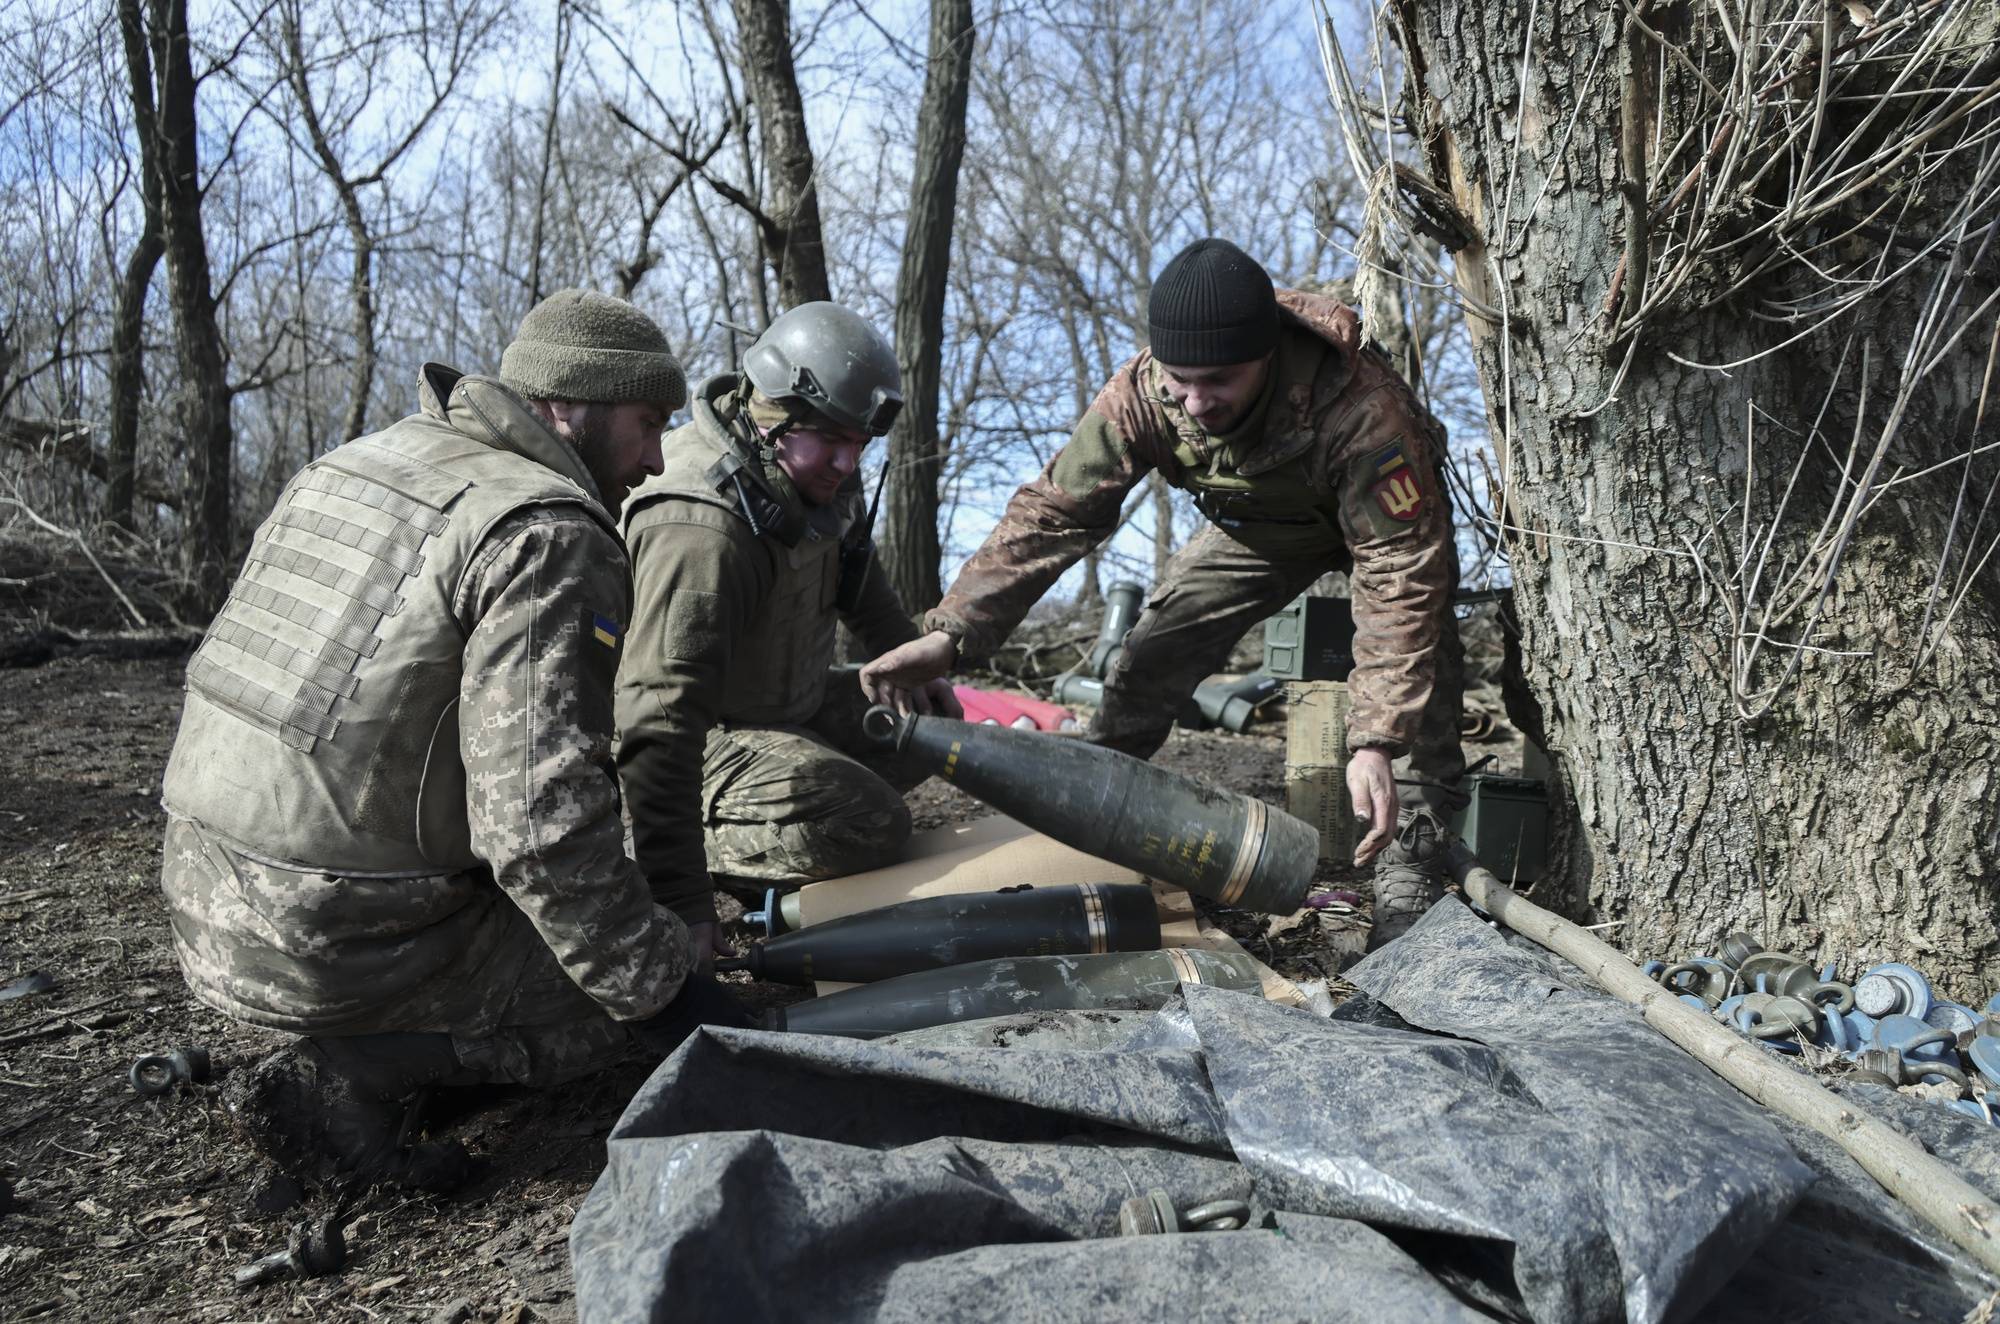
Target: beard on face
{"x":590,"y":433}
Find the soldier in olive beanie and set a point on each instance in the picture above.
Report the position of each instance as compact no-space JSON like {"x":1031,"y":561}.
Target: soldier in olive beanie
{"x":1211,"y":307}
{"x":589,"y":347}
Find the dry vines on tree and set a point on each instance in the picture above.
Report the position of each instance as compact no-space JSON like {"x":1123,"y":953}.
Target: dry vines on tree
{"x":1856,"y":119}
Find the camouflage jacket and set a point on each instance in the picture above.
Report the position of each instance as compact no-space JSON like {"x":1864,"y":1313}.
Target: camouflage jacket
{"x":730,"y":627}
{"x":1337,"y":463}
{"x":481,"y":635}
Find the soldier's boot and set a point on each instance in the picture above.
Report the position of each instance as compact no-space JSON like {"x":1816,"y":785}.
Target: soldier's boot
{"x":339,"y":1109}
{"x":1410,"y":875}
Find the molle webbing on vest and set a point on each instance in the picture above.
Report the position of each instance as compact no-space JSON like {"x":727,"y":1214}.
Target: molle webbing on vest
{"x":350,"y":639}
{"x":282,"y":652}
{"x":292,"y":720}
{"x":377,"y":590}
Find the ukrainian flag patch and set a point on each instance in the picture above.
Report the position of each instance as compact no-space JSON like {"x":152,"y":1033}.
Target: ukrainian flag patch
{"x":1397,"y":490}
{"x":606,"y":630}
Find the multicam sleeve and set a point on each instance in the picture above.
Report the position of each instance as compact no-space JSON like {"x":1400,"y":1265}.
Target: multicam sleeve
{"x":544,"y":606}
{"x":1054,"y":519}
{"x":1397,"y":522}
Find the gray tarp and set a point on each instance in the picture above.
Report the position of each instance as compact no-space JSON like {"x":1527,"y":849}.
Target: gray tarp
{"x":1477,"y":1135}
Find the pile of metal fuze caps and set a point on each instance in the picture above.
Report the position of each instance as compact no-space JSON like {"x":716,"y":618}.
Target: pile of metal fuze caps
{"x":1890,"y":1023}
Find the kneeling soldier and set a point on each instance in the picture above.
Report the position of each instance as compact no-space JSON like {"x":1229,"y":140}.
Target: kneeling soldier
{"x":741,"y":755}
{"x":393,"y":818}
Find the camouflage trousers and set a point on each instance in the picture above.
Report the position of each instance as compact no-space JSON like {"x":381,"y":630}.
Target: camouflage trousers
{"x":1215,"y":590}
{"x":794,"y":804}
{"x":327,"y":956}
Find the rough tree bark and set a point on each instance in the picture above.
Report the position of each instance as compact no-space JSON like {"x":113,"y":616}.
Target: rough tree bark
{"x":1815,"y":780}
{"x":916,"y":457}
{"x":204,"y":386}
{"x":128,"y":325}
{"x":790,"y":215}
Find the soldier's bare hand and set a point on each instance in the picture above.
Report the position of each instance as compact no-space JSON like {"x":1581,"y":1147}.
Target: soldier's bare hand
{"x":706,"y":942}
{"x":942,"y":699}
{"x":1371,"y":786}
{"x":906,"y":676}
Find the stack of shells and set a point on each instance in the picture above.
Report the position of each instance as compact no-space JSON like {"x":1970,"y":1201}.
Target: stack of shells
{"x":1890,"y":1023}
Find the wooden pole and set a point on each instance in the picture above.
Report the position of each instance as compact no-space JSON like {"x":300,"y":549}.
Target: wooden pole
{"x":1891,"y":1158}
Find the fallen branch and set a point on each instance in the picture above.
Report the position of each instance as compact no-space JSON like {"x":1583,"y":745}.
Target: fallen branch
{"x":69,"y":441}
{"x":1899,"y":1163}
{"x":138,"y":617}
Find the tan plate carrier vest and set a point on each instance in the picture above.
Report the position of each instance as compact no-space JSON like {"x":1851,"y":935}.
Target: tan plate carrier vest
{"x":321,"y":721}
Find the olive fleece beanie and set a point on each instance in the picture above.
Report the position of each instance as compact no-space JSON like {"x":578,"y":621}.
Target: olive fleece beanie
{"x":1212,"y":306}
{"x":589,"y":347}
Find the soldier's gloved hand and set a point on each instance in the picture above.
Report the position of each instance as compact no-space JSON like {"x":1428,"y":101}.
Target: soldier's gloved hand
{"x":705,"y":942}
{"x":700,"y":1002}
{"x":1372,"y":788}
{"x":907,"y":675}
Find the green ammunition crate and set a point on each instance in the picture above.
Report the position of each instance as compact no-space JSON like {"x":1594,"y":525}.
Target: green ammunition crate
{"x":1507,"y":826}
{"x":1312,"y":639}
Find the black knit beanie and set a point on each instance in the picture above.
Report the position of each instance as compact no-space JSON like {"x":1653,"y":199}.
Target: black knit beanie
{"x":1211,"y":306}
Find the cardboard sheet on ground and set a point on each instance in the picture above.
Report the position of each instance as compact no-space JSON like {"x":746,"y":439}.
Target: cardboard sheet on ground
{"x":984,"y":855}
{"x":1479,"y":1137}
{"x":990,"y":853}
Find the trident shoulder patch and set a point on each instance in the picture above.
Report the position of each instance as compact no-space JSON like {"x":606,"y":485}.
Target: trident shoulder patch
{"x":605,"y":630}
{"x":1397,"y":488}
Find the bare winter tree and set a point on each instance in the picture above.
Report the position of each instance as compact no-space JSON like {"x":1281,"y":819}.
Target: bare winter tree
{"x":789,"y":213}
{"x":128,"y":328}
{"x":364,"y":88}
{"x":1105,"y":137}
{"x":1733,"y":275}
{"x":912,"y":553}
{"x":163,"y":103}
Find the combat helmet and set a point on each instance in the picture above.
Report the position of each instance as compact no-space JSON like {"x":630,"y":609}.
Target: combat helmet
{"x":828,"y":358}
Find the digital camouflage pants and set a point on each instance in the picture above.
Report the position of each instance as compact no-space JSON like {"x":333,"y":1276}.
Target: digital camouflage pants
{"x":510,"y":1013}
{"x":793,"y":804}
{"x":1215,"y":589}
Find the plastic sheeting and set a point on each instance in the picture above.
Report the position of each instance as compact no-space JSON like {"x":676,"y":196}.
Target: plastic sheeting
{"x":1476,"y":1137}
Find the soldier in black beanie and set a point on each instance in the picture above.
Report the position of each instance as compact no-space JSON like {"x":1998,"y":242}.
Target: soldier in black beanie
{"x":1307,"y":453}
{"x":1212,"y":306}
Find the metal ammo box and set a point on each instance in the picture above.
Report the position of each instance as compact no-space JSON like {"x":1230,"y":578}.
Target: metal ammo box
{"x":1312,"y":639}
{"x":1507,"y":825}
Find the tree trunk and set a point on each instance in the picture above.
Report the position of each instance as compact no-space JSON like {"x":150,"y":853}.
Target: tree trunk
{"x":361,"y":297}
{"x":128,"y":325}
{"x":205,"y":395}
{"x":916,"y":458}
{"x":1826,"y":775}
{"x":549,"y":127}
{"x":799,"y":260}
{"x":361,"y":277}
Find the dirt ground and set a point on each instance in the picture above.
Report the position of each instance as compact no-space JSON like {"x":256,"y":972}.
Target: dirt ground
{"x":119,"y":1207}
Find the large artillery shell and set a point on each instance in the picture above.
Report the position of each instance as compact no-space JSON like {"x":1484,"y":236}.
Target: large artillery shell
{"x":1230,"y":847}
{"x":1233,"y":704}
{"x":1068,"y":919}
{"x":1121,"y":609}
{"x":1120,"y":980}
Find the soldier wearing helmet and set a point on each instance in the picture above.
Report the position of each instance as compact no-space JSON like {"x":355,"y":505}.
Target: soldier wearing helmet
{"x":740,"y":757}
